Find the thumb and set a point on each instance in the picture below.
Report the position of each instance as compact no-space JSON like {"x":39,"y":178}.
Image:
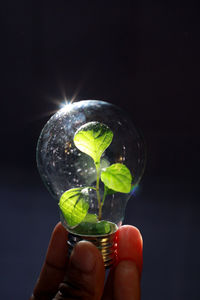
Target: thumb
{"x":85,"y":275}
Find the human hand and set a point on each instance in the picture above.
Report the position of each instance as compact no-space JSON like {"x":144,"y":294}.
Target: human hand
{"x":82,"y":276}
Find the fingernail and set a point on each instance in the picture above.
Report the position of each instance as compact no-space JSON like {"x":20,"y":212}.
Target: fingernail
{"x":82,"y":257}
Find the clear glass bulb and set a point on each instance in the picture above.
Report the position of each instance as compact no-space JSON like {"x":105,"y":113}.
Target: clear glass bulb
{"x":89,"y":209}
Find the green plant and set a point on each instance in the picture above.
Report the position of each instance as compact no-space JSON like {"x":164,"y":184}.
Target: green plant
{"x":93,"y":139}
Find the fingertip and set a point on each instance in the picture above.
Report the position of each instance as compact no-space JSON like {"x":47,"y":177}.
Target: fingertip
{"x":59,"y":235}
{"x":60,"y":230}
{"x":57,"y":250}
{"x":131,"y":232}
{"x":130,"y":245}
{"x":85,"y":256}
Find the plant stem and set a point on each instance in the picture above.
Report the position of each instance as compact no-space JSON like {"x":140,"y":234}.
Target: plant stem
{"x":104,"y":195}
{"x":97,"y":164}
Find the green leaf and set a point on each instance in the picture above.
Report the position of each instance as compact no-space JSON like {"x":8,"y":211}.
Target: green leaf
{"x":103,"y":227}
{"x":92,"y":218}
{"x":96,"y":228}
{"x":109,"y":191}
{"x":93,"y":138}
{"x":74,"y":205}
{"x":117,"y":177}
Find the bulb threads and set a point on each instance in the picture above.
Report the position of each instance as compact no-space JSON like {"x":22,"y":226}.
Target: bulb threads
{"x":105,"y":244}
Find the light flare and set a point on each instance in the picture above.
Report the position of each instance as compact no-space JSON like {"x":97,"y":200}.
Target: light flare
{"x":134,"y":189}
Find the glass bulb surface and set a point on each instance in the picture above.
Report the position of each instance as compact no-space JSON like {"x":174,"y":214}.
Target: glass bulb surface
{"x":72,"y":176}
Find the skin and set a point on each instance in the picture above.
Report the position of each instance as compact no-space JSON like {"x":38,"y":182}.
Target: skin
{"x":82,"y":276}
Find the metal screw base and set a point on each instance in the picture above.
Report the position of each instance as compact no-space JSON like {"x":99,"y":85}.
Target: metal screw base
{"x":105,"y":244}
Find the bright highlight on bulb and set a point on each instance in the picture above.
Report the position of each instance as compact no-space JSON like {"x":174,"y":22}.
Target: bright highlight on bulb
{"x":91,"y":158}
{"x":65,"y":104}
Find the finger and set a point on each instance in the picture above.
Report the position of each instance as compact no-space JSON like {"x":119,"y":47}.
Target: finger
{"x":126,"y":281}
{"x":130,"y":245}
{"x":54,"y":267}
{"x":129,"y":252}
{"x":85,"y":278}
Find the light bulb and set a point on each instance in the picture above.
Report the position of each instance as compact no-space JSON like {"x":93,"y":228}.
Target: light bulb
{"x":91,"y":157}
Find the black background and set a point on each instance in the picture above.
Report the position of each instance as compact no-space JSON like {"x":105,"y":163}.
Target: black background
{"x":142,"y":56}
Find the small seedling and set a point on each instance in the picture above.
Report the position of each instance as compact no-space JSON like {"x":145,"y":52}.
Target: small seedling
{"x":93,"y":139}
